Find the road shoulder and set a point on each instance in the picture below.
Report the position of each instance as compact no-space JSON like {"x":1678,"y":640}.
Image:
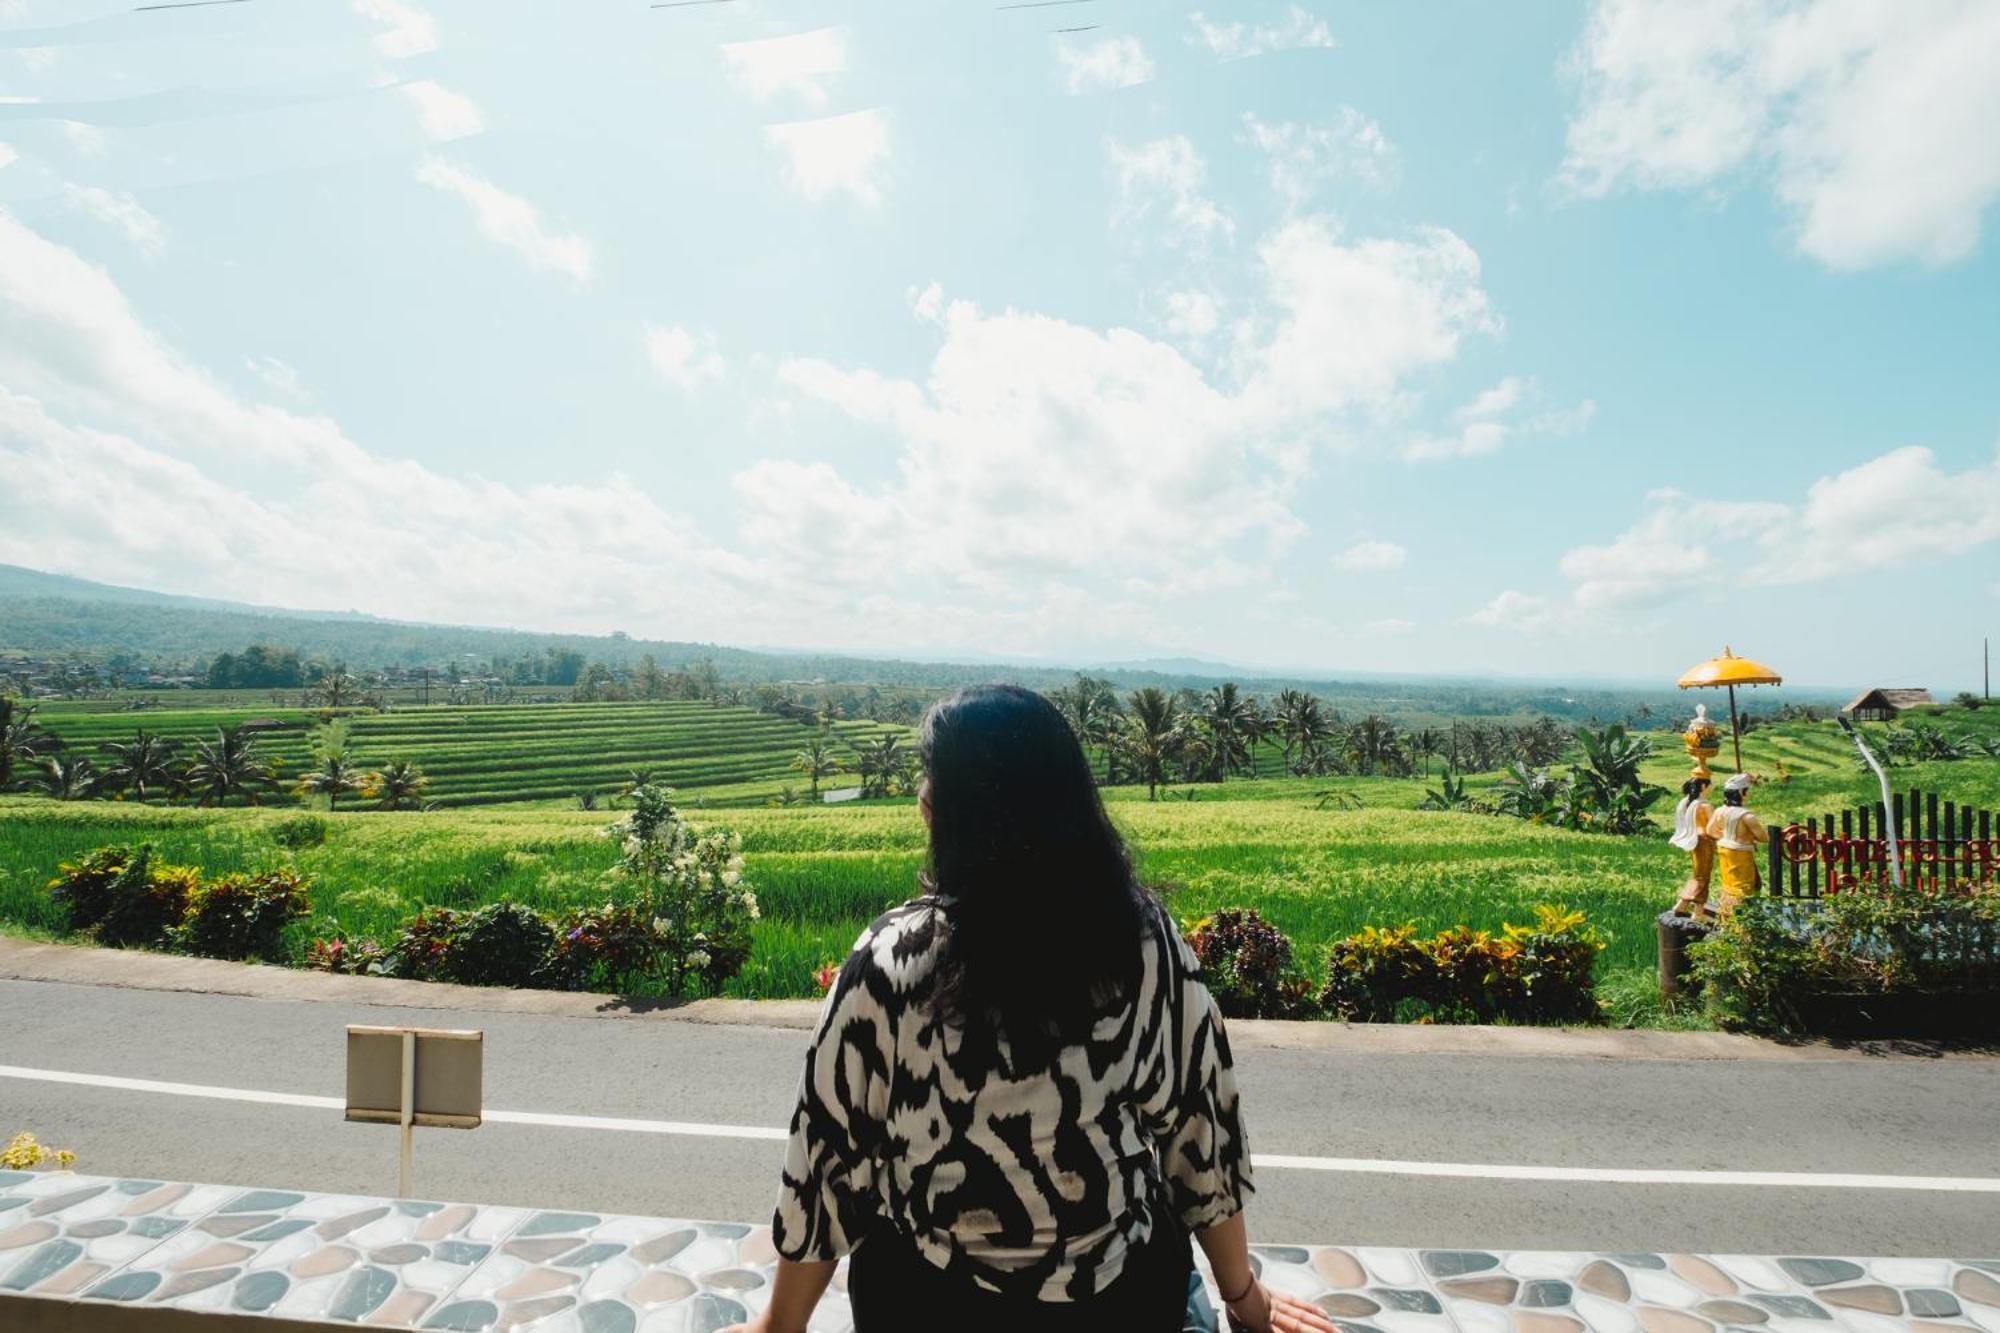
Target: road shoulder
{"x":131,"y":969}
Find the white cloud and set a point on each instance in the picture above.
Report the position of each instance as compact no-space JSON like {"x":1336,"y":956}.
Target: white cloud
{"x":1355,"y":320}
{"x":1483,"y":426}
{"x":1192,"y":316}
{"x":1515,"y":610}
{"x":1383,"y":629}
{"x":1499,"y":400}
{"x":509,"y":220}
{"x":798,"y":65}
{"x":1167,"y":175}
{"x":1871,"y":121}
{"x":1041,"y":460}
{"x":1679,"y":543}
{"x":682,"y":357}
{"x":835,"y":155}
{"x":1237,"y":40}
{"x":124,"y":458}
{"x":279,"y":375}
{"x":8,"y":155}
{"x":1894,"y":511}
{"x":1302,"y":158}
{"x":1103,"y":64}
{"x":1371,"y":557}
{"x":86,"y":139}
{"x":1897,"y":511}
{"x":444,"y":114}
{"x":409,"y":29}
{"x":117,"y":209}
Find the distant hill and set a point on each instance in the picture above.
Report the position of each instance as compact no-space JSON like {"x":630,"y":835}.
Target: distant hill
{"x":53,"y":615}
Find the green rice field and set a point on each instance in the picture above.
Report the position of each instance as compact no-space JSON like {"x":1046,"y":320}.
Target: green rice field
{"x":490,"y":754}
{"x":1282,"y":846}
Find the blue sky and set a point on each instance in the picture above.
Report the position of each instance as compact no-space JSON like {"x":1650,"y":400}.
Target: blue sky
{"x":1552,"y":339}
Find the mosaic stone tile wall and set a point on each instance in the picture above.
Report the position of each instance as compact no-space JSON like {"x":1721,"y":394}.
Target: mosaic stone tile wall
{"x":388,"y":1264}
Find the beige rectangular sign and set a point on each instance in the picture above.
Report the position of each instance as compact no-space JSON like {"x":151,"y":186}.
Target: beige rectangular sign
{"x":445,"y":1066}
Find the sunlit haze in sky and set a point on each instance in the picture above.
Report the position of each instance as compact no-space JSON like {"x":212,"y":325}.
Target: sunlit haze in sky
{"x":1555,"y":339}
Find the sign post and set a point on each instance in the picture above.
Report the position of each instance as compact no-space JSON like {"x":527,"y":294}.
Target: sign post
{"x":414,"y":1076}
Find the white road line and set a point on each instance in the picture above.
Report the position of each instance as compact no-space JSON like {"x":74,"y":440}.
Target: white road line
{"x":1594,"y":1175}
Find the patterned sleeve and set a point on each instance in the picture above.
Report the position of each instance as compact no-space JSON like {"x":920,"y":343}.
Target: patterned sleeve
{"x":1202,"y":1150}
{"x":828,"y":1194}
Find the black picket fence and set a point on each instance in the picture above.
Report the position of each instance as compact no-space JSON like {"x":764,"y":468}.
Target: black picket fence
{"x":1944,"y":848}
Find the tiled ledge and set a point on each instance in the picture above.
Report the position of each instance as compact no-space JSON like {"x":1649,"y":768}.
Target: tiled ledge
{"x":92,"y":1253}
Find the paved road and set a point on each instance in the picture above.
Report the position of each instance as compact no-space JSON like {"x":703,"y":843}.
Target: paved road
{"x":1928,"y":1118}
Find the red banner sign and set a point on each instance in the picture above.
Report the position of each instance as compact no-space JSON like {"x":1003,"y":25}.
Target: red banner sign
{"x":1851,"y":862}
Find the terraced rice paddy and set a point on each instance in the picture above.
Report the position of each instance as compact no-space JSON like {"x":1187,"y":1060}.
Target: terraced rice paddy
{"x":484,"y":755}
{"x":822,"y":872}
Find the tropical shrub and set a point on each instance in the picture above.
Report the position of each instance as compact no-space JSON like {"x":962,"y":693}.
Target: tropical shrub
{"x":1246,"y":962}
{"x":418,"y":951}
{"x":82,"y":888}
{"x":147,"y":901}
{"x":608,"y":948}
{"x":1540,"y":973}
{"x":501,"y":944}
{"x":358,"y":956}
{"x":241,"y":916}
{"x":1792,"y":966}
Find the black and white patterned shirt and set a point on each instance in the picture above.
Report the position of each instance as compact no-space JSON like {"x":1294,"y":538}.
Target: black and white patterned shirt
{"x":1037,"y":1185}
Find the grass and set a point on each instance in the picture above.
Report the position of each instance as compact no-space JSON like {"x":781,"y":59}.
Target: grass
{"x":822,"y":872}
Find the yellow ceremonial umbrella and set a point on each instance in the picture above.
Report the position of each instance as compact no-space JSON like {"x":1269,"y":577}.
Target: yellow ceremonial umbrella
{"x":1730,"y":670}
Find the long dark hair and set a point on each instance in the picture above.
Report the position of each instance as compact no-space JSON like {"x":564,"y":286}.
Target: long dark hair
{"x":1042,"y":912}
{"x":1694,"y":787}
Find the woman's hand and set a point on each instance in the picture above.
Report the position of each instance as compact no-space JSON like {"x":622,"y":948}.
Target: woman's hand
{"x":1261,"y":1310}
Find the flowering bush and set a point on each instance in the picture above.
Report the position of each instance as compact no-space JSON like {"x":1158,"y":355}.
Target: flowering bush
{"x":24,"y":1153}
{"x":1246,"y":962}
{"x":1540,"y":973}
{"x":692,"y":889}
{"x":238,"y":916}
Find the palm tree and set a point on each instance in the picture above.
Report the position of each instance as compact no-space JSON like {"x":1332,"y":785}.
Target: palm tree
{"x":21,"y":737}
{"x":817,"y":760}
{"x":66,"y":776}
{"x":1306,"y":730}
{"x":396,"y":785}
{"x":882,"y":762}
{"x":1372,"y":743}
{"x":142,"y":764}
{"x":230,"y":766}
{"x":1224,"y":712}
{"x":331,"y":776}
{"x":1259,"y":725}
{"x":1427,"y":744}
{"x":1150,"y":737}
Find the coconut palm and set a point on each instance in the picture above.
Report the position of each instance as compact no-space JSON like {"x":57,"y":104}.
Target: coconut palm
{"x":67,"y":776}
{"x":22,"y":739}
{"x":397,"y":785}
{"x":329,"y":777}
{"x":142,"y":765}
{"x":1224,"y":714}
{"x":883,"y":761}
{"x":230,"y":766}
{"x":1150,"y":736}
{"x":1427,"y":744}
{"x":817,"y":760}
{"x":1372,"y":743}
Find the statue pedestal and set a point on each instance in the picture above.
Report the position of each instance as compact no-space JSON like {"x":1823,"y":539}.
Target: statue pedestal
{"x":1676,"y":934}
